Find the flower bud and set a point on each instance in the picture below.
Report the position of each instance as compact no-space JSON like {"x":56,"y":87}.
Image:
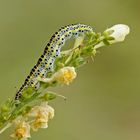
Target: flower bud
{"x":118,"y":32}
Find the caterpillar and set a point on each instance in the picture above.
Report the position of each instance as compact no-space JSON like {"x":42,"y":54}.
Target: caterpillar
{"x":51,"y":52}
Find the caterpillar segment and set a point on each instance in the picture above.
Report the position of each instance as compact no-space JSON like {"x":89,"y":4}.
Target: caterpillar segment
{"x":51,"y":52}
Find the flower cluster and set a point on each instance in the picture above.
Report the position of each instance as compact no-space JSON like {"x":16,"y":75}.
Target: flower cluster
{"x":38,"y":117}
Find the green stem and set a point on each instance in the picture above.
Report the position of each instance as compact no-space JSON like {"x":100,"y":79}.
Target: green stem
{"x":4,"y":128}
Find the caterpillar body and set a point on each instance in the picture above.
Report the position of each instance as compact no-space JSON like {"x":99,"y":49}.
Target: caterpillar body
{"x":51,"y":51}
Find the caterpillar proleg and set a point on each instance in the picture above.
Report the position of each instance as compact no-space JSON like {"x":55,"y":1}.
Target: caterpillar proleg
{"x":51,"y":52}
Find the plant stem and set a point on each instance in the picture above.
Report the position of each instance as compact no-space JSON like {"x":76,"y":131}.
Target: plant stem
{"x":4,"y":128}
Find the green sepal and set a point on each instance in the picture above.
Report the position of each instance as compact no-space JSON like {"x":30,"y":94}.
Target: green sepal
{"x":110,"y":38}
{"x":26,"y":110}
{"x":87,"y":50}
{"x":98,"y":35}
{"x":48,"y":96}
{"x":78,"y":62}
{"x":44,"y":85}
{"x":6,"y":106}
{"x":4,"y":117}
{"x":108,"y":33}
{"x":106,"y":42}
{"x":27,"y":93}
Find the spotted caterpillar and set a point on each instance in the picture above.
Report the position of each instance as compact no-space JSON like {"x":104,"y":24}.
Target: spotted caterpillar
{"x":51,"y":51}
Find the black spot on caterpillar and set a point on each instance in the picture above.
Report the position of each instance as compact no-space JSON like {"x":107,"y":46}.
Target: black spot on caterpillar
{"x":51,"y":51}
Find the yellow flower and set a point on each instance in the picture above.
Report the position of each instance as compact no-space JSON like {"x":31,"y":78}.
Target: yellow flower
{"x":42,"y":114}
{"x":41,"y":121}
{"x":22,"y":130}
{"x":65,"y":75}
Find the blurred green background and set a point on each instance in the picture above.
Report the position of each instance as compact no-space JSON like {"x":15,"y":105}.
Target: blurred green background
{"x":104,"y":101}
